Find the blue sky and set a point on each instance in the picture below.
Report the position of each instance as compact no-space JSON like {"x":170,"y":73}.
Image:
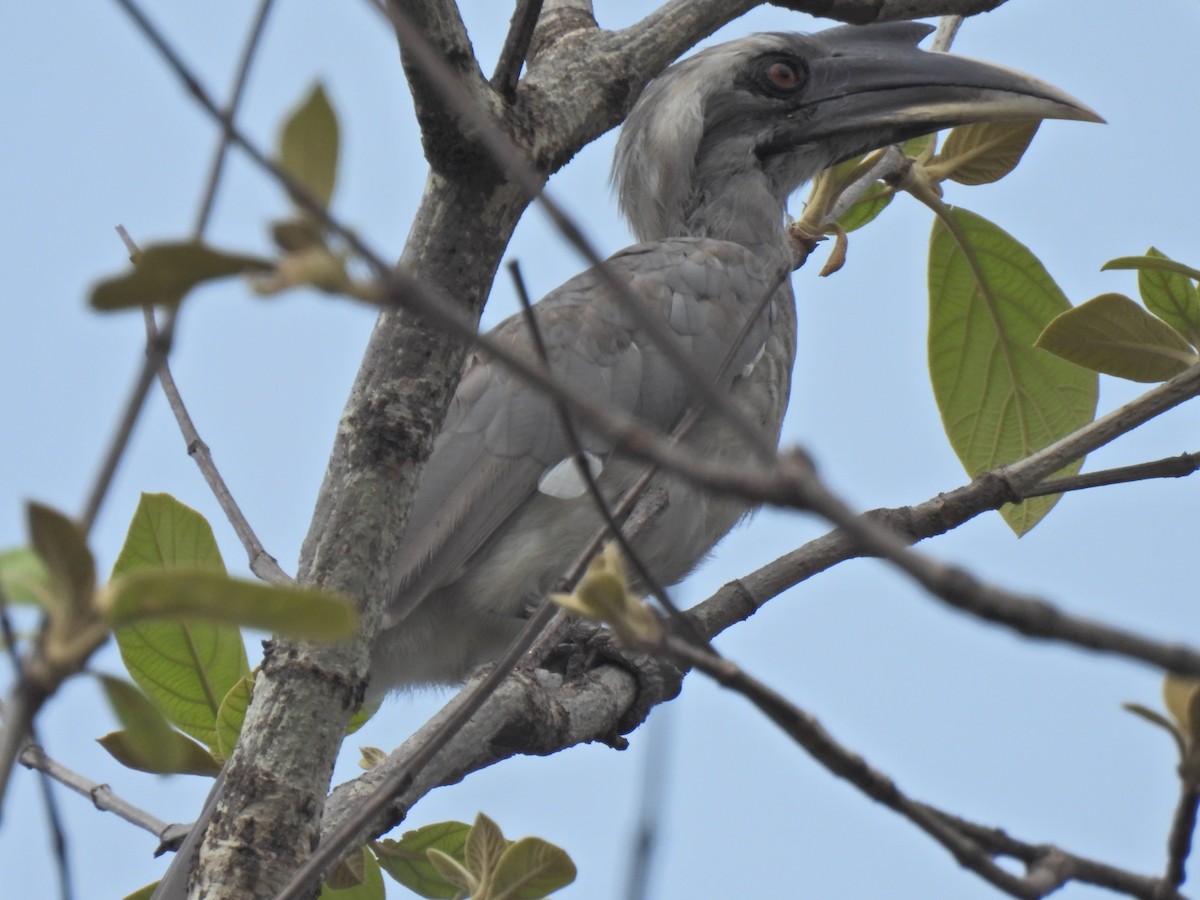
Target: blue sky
{"x":968,"y":717}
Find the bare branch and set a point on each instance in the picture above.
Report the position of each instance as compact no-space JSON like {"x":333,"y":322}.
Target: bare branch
{"x":102,"y":796}
{"x":262,"y":563}
{"x":1170,"y":467}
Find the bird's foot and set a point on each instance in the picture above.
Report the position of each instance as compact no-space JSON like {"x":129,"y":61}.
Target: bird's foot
{"x":587,"y":646}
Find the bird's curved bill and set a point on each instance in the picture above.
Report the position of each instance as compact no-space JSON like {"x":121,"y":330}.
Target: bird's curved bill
{"x":863,"y":87}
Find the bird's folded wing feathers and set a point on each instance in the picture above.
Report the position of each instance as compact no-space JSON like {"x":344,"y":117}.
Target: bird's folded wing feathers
{"x":502,"y":435}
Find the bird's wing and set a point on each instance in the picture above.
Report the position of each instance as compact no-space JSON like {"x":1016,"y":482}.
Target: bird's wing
{"x":502,"y":441}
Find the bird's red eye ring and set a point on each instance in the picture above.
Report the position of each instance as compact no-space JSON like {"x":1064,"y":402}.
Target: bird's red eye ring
{"x":783,"y":76}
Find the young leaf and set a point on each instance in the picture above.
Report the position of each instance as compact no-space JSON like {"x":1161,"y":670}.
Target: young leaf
{"x":299,"y":612}
{"x":163,"y":274}
{"x":185,"y":667}
{"x":1179,"y":695}
{"x":983,"y":152}
{"x":1000,"y":397}
{"x":1157,"y":718}
{"x":531,"y":869}
{"x":1113,"y":335}
{"x":453,"y":872}
{"x":231,"y":715}
{"x":145,"y":727}
{"x":407,"y":860}
{"x":24,"y":578}
{"x":485,"y":845}
{"x":308,"y":145}
{"x":874,"y":201}
{"x":1172,"y":297}
{"x":194,"y":759}
{"x":1160,"y":262}
{"x":61,"y":546}
{"x":367,"y":884}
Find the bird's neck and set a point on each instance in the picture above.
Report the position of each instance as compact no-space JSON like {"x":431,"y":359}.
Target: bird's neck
{"x":737,"y":206}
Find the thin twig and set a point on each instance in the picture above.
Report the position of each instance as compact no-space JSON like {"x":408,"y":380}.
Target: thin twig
{"x":1170,"y":467}
{"x":240,"y":79}
{"x":516,"y":46}
{"x":102,"y":796}
{"x":1183,"y":827}
{"x":262,"y":563}
{"x":1040,"y":879}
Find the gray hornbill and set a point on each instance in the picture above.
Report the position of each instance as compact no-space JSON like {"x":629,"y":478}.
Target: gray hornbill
{"x":705,"y":164}
{"x":704,"y":167}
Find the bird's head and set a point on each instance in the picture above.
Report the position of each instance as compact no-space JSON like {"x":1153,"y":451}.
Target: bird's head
{"x":739,"y":126}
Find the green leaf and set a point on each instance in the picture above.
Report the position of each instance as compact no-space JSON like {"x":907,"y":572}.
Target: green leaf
{"x":165,"y":533}
{"x":453,"y":872}
{"x":187,"y":668}
{"x":1000,"y":397}
{"x":984,"y":152}
{"x":1161,"y":263}
{"x":407,"y":860}
{"x":308,"y":145}
{"x":485,"y":846}
{"x":231,"y":715}
{"x":195,"y":760}
{"x":874,"y":201}
{"x":1113,"y":335}
{"x":1179,"y":695}
{"x":1156,"y":718}
{"x":531,"y":869}
{"x":144,"y":726}
{"x":366,"y":885}
{"x":298,"y":612}
{"x":1172,"y":297}
{"x":62,"y":547}
{"x":24,"y":578}
{"x":163,"y":274}
{"x":143,"y":893}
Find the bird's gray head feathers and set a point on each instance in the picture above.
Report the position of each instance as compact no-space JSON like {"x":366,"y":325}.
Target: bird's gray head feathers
{"x":750,"y":120}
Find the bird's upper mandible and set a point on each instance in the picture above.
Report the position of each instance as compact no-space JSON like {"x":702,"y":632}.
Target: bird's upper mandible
{"x":705,"y":164}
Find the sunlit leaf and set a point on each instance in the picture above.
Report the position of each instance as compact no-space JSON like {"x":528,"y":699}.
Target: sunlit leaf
{"x":407,"y":860}
{"x":24,"y":578}
{"x":983,"y":152}
{"x":1114,"y":335}
{"x":1172,"y":297}
{"x":202,"y":594}
{"x":308,"y":145}
{"x":194,"y":759}
{"x":1000,"y":397}
{"x":163,"y":274}
{"x":187,"y":667}
{"x":531,"y":869}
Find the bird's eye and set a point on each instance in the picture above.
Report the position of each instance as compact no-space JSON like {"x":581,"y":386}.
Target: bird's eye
{"x":783,"y":76}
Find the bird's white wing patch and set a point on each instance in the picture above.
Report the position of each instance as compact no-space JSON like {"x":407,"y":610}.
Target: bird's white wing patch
{"x":564,"y":480}
{"x":749,"y":367}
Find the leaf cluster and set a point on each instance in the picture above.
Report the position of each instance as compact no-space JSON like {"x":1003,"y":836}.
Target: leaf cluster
{"x":175,"y":615}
